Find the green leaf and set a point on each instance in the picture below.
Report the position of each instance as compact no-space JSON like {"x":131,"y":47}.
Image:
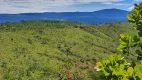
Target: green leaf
{"x":106,"y":73}
{"x":99,"y":64}
{"x":130,"y":71}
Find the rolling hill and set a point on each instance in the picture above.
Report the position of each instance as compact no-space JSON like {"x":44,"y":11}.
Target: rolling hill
{"x":55,"y":50}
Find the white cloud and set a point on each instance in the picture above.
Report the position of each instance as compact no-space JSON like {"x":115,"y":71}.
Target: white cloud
{"x":119,"y":4}
{"x":21,"y":6}
{"x":116,"y":4}
{"x":137,"y":0}
{"x":131,"y":8}
{"x":107,"y":3}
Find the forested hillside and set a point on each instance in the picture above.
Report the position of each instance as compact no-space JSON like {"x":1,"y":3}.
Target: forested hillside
{"x":55,"y":50}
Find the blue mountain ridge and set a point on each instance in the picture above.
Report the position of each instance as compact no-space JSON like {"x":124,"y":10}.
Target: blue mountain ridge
{"x":101,"y":16}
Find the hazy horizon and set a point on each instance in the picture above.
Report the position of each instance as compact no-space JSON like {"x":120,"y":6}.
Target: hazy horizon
{"x":40,"y":6}
{"x":65,"y":12}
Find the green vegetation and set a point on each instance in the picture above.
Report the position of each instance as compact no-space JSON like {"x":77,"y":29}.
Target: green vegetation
{"x":56,"y":50}
{"x":115,"y":67}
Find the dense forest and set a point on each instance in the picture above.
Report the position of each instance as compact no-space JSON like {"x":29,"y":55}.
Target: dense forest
{"x":56,"y":50}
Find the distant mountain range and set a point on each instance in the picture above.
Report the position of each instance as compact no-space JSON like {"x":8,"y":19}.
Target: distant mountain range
{"x":101,"y":16}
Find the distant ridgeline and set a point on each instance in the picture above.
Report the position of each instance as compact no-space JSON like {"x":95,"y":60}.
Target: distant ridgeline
{"x":101,"y":16}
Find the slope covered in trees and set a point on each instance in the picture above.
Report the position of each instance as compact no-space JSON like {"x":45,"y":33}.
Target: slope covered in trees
{"x":55,"y":50}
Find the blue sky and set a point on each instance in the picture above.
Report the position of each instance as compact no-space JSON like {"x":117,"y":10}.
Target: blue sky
{"x":27,"y":6}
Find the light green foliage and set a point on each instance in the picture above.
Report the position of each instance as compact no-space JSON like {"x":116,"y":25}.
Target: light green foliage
{"x":127,"y":43}
{"x":136,"y":16}
{"x":117,"y":68}
{"x":114,"y":67}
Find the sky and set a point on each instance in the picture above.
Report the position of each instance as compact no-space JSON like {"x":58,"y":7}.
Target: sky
{"x":31,"y":6}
